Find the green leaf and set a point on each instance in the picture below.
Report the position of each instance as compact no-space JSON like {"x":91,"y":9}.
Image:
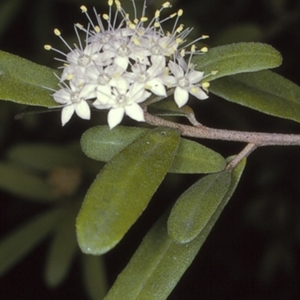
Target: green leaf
{"x":44,"y":157}
{"x":123,"y":189}
{"x":237,"y":58}
{"x":63,"y":247}
{"x":168,"y":107}
{"x":21,"y":182}
{"x":24,"y":82}
{"x":264,"y":91}
{"x":196,"y":205}
{"x":16,"y":245}
{"x":155,"y":268}
{"x":191,"y":158}
{"x":159,"y":262}
{"x":101,"y":143}
{"x":94,"y":276}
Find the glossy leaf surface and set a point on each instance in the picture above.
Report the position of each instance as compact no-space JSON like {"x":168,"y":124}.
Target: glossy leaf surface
{"x":18,"y":243}
{"x":264,"y":91}
{"x":196,"y":205}
{"x":101,"y":143}
{"x":123,"y":189}
{"x":159,"y":262}
{"x":24,"y":82}
{"x":237,"y":58}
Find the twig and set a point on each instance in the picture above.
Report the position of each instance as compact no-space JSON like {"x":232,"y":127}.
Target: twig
{"x":259,"y":139}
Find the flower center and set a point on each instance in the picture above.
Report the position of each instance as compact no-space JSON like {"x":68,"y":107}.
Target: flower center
{"x":157,"y":50}
{"x":103,"y":79}
{"x":121,"y":100}
{"x":84,"y":60}
{"x":142,"y":77}
{"x":75,"y":97}
{"x":183,"y":82}
{"x":123,"y":51}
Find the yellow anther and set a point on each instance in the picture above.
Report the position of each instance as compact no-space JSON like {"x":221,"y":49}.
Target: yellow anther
{"x":144,"y":19}
{"x":136,"y":41}
{"x":166,"y":5}
{"x":157,"y":14}
{"x":83,"y":8}
{"x":205,"y":36}
{"x":193,"y":48}
{"x":180,"y":12}
{"x":182,"y":53}
{"x":118,"y":5}
{"x":180,"y":28}
{"x":69,"y":76}
{"x":105,"y":17}
{"x":173,"y":15}
{"x":47,"y":47}
{"x":178,"y":41}
{"x":131,"y":26}
{"x":214,"y":72}
{"x":97,"y":29}
{"x":57,"y":32}
{"x":78,"y":25}
{"x":204,"y":49}
{"x":156,"y":24}
{"x":135,"y":21}
{"x":110,"y":2}
{"x":205,"y":84}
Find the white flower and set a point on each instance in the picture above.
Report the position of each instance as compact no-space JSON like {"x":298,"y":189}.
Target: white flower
{"x":123,"y":99}
{"x":185,"y":82}
{"x":122,"y":64}
{"x":73,"y":99}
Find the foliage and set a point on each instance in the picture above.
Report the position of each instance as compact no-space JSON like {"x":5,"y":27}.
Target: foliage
{"x":96,"y":193}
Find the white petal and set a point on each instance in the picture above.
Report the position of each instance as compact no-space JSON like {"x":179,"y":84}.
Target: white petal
{"x":176,"y":69}
{"x":121,"y":62}
{"x":134,"y":111}
{"x":195,"y":76}
{"x":198,"y":93}
{"x":115,"y":116}
{"x":62,"y":96}
{"x":181,"y":96}
{"x":66,"y":114}
{"x":157,"y":87}
{"x":83,"y":110}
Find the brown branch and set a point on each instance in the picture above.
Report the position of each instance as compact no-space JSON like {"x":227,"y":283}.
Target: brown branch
{"x":259,"y":139}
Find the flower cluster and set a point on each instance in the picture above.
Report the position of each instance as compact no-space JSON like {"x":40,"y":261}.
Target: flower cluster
{"x":120,"y":65}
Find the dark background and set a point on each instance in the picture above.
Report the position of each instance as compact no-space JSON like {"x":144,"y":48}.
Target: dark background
{"x":253,"y":251}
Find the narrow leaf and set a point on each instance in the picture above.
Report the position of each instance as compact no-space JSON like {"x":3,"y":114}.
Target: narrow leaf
{"x":168,"y":107}
{"x":195,"y":206}
{"x":21,"y":182}
{"x":24,"y":82}
{"x":101,"y":143}
{"x":237,"y":58}
{"x":159,"y":262}
{"x":18,"y":243}
{"x":94,"y":276}
{"x":264,"y":91}
{"x":63,"y":247}
{"x":123,"y":189}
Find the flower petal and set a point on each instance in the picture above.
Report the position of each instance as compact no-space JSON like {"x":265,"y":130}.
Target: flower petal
{"x":83,"y":110}
{"x":198,"y":93}
{"x":115,"y":116}
{"x":66,"y":114}
{"x":181,"y":96}
{"x":134,"y":111}
{"x":195,"y":76}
